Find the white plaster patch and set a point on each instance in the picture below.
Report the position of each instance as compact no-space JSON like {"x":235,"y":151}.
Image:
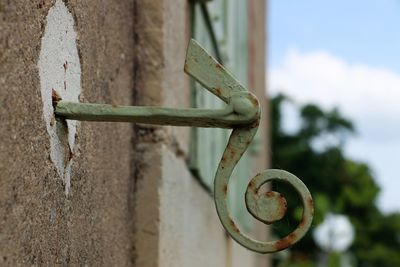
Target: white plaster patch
{"x":60,"y":70}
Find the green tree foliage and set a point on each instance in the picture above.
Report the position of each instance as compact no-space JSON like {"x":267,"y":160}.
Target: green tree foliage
{"x":338,"y":184}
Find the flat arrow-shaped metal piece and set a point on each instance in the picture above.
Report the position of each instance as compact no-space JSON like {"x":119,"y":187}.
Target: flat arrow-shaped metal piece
{"x":210,"y":73}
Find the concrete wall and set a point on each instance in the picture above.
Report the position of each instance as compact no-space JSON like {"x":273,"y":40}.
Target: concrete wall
{"x":257,"y":38}
{"x":132,"y":200}
{"x":39,"y":224}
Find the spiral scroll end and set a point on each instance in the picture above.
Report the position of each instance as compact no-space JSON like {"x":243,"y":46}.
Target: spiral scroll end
{"x":271,"y":206}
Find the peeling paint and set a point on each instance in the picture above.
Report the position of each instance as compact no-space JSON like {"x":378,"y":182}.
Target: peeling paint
{"x":60,"y":77}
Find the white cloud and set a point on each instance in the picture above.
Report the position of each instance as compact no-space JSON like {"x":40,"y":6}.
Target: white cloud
{"x":359,"y":90}
{"x":366,"y":94}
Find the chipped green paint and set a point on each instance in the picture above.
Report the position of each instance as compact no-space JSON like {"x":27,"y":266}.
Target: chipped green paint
{"x":242,"y":114}
{"x":239,"y":111}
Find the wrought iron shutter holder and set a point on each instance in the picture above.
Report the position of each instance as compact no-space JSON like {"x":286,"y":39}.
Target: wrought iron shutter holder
{"x":242,"y":114}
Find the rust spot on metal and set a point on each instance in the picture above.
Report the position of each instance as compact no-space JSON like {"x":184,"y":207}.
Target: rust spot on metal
{"x":252,"y":185}
{"x":285,"y":242}
{"x":223,"y":160}
{"x":282,"y":204}
{"x":65,"y":65}
{"x":254,"y":101}
{"x":269,"y":194}
{"x":219,"y":66}
{"x":218,"y":91}
{"x":310,"y":203}
{"x":225,"y":189}
{"x":302,"y":223}
{"x":256,"y":123}
{"x":55,"y":97}
{"x":234,"y":226}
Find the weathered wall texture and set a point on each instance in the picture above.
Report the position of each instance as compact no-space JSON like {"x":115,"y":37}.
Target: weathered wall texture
{"x":190,"y":231}
{"x":39,"y":224}
{"x":257,"y":83}
{"x":178,"y":224}
{"x":132,"y":200}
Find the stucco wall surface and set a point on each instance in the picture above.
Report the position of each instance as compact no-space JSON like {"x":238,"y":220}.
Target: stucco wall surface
{"x":178,"y":224}
{"x":39,"y":224}
{"x":190,"y":231}
{"x":131,"y":200}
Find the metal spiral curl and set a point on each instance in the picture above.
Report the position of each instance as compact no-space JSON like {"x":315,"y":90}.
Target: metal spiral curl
{"x":268,"y":207}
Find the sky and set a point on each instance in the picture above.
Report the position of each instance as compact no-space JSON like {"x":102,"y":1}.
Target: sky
{"x":344,"y":54}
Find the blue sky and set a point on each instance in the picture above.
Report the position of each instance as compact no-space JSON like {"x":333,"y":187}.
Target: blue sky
{"x":359,"y":31}
{"x":345,"y":54}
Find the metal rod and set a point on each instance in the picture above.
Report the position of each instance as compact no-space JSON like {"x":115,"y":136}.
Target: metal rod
{"x":210,"y":28}
{"x":219,"y":118}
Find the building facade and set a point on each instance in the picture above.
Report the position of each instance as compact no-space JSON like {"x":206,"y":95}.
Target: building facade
{"x":119,"y":194}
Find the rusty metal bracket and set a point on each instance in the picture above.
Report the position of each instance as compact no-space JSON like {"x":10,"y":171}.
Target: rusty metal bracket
{"x":242,"y":114}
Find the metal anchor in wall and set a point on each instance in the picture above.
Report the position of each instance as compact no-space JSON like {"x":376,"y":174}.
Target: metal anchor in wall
{"x":242,"y":114}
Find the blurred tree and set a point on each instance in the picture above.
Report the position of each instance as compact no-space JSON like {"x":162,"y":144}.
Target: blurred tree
{"x":314,"y":152}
